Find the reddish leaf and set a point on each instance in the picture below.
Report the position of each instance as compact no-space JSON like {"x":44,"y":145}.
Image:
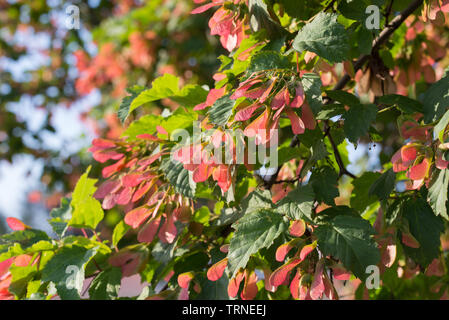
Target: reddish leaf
{"x":410,"y":241}
{"x":249,"y":291}
{"x":246,"y":113}
{"x":317,"y":288}
{"x":149,"y":230}
{"x":340,"y":273}
{"x":279,"y":275}
{"x":168,"y":232}
{"x":16,"y":225}
{"x":125,"y":195}
{"x":297,"y":228}
{"x":294,"y":285}
{"x":184,"y":279}
{"x":306,"y":250}
{"x":107,"y":187}
{"x":299,"y":98}
{"x":215,"y":272}
{"x":282,"y":251}
{"x":116,"y":167}
{"x":419,"y":171}
{"x":298,"y":126}
{"x":234,"y":284}
{"x":408,"y":153}
{"x":137,"y":216}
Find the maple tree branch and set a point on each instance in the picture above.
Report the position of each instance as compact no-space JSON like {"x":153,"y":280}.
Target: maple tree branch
{"x":377,"y":42}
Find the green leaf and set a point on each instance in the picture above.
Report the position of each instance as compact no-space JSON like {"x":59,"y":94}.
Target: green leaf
{"x":360,"y":196}
{"x":288,"y":153}
{"x":267,"y":60}
{"x":161,"y":88}
{"x":343,"y":97}
{"x":106,"y":285}
{"x":405,"y":104}
{"x":324,"y":182}
{"x":253,"y":232}
{"x":261,"y":19}
{"x":425,"y":227}
{"x":213,"y":290}
{"x":123,"y":110}
{"x":191,"y":261}
{"x":325,"y":37}
{"x":365,"y":40}
{"x":180,"y":178}
{"x":330,"y":110}
{"x":257,"y":200}
{"x":312,"y":89}
{"x":383,"y":186}
{"x":436,"y":99}
{"x":221,"y":110}
{"x":23,"y":240}
{"x":66,"y":270}
{"x":60,"y":217}
{"x":302,"y":10}
{"x":439,"y":129}
{"x":87,"y":211}
{"x":144,"y":124}
{"x":438,"y":190}
{"x":348,"y":239}
{"x":298,"y":203}
{"x":358,"y":119}
{"x":21,"y":276}
{"x":167,"y":86}
{"x":119,"y":231}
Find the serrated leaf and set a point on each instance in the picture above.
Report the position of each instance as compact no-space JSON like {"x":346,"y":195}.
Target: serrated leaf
{"x":438,"y":191}
{"x":288,"y":153}
{"x":257,"y":200}
{"x":325,"y":185}
{"x":180,"y":178}
{"x":66,"y":270}
{"x":221,"y":110}
{"x":260,"y":19}
{"x":253,"y":232}
{"x":60,"y":217}
{"x":325,"y":37}
{"x":106,"y":285}
{"x":23,"y":239}
{"x":405,"y":104}
{"x":167,"y":86}
{"x":343,"y":97}
{"x":439,"y":129}
{"x":358,"y":119}
{"x":123,"y":110}
{"x":436,"y":99}
{"x":267,"y":60}
{"x":348,"y":239}
{"x":425,"y":227}
{"x":87,"y":211}
{"x":383,"y":186}
{"x":312,"y":88}
{"x":298,"y":203}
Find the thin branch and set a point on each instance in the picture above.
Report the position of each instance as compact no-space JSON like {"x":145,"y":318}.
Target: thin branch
{"x":341,"y":165}
{"x":388,"y":12}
